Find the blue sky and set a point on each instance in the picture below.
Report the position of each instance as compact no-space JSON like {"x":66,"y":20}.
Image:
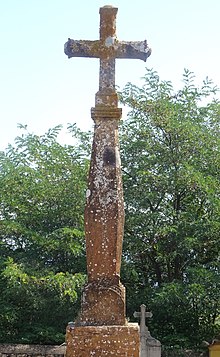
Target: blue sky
{"x":41,"y":87}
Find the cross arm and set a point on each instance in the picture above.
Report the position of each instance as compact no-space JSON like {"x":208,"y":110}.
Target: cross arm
{"x":81,"y":48}
{"x":138,"y":314}
{"x":133,"y":49}
{"x":114,"y":49}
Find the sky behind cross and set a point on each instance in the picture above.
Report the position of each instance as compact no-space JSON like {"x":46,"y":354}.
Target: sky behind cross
{"x":41,"y":87}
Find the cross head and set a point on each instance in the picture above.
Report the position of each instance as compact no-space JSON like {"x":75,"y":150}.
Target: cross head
{"x":107,"y":48}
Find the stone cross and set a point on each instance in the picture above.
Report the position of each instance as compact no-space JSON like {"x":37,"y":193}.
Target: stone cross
{"x":149,"y":346}
{"x":103,"y":301}
{"x":107,"y":48}
{"x":142,"y":315}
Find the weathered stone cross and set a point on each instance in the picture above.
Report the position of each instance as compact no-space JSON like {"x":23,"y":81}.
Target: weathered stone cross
{"x":107,"y":48}
{"x":142,"y":315}
{"x":104,"y":296}
{"x":149,"y":346}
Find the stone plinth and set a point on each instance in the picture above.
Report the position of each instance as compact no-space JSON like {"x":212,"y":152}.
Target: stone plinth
{"x":103,"y":303}
{"x":150,"y":347}
{"x":103,"y":341}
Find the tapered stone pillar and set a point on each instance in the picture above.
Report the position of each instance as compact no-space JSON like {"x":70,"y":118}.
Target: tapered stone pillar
{"x":104,"y":295}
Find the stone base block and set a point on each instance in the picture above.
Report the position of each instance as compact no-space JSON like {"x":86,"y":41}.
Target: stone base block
{"x":103,"y":341}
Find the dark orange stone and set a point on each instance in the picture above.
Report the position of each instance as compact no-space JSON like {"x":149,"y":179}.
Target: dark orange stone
{"x":103,"y":341}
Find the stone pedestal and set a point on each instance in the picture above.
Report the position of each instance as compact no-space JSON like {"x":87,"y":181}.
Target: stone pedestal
{"x":103,"y":341}
{"x":150,"y":347}
{"x":103,"y":303}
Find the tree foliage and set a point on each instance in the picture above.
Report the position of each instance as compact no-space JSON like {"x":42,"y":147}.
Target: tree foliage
{"x":171,"y":159}
{"x":42,"y":261}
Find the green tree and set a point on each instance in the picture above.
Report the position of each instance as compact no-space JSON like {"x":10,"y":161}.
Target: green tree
{"x":171,"y":162}
{"x":42,"y":259}
{"x":170,"y":157}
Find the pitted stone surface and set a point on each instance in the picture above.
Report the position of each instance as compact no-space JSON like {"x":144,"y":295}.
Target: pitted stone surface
{"x":103,"y":341}
{"x":103,"y":300}
{"x":104,"y":213}
{"x":103,"y":303}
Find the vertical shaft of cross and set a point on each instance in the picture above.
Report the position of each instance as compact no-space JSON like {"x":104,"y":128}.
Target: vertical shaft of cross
{"x":106,"y":70}
{"x":107,"y":37}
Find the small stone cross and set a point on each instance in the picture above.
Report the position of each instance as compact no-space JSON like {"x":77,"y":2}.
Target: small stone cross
{"x":142,"y":315}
